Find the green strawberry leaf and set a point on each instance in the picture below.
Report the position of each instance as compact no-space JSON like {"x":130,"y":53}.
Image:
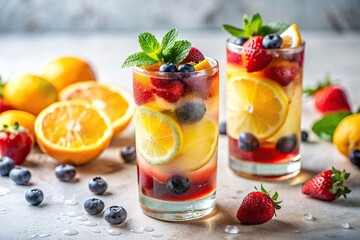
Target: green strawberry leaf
{"x":327,"y":81}
{"x":169,"y":40}
{"x":139,"y":59}
{"x":178,"y":52}
{"x":325,"y":127}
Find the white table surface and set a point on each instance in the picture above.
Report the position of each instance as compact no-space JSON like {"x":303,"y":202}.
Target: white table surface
{"x":338,"y":54}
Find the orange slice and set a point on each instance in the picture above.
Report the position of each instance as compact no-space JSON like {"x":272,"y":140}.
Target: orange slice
{"x":255,"y":105}
{"x":115,"y":101}
{"x":73,"y":131}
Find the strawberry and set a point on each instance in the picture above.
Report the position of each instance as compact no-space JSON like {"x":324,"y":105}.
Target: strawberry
{"x":282,"y":72}
{"x":233,"y":57}
{"x":4,"y":106}
{"x":327,"y":185}
{"x":258,"y":207}
{"x":171,"y":92}
{"x":142,"y":94}
{"x":253,"y":57}
{"x":194,"y":56}
{"x":15,"y":142}
{"x":329,"y":98}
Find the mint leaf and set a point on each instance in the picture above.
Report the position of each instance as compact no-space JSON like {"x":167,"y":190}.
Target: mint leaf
{"x":148,"y":42}
{"x":178,"y":52}
{"x":168,"y":40}
{"x":325,"y":127}
{"x":138,"y":59}
{"x":256,"y":23}
{"x":234,"y":31}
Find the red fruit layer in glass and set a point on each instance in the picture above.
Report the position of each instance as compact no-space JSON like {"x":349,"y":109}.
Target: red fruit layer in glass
{"x":268,"y":154}
{"x":150,"y":187}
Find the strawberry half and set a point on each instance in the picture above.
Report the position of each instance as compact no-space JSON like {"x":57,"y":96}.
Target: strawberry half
{"x":282,"y":72}
{"x":171,"y":92}
{"x":254,"y":57}
{"x":16,"y":143}
{"x":328,"y":185}
{"x":258,"y":207}
{"x":329,"y":98}
{"x":194,"y":56}
{"x":142,"y":93}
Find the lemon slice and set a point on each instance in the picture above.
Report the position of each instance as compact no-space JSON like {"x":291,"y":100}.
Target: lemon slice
{"x":200,"y":144}
{"x":255,"y":105}
{"x":158,"y":137}
{"x":291,"y":37}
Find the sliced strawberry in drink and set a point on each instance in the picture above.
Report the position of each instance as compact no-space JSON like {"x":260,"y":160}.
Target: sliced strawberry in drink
{"x":254,"y":57}
{"x":201,"y":85}
{"x":233,"y":57}
{"x":282,"y":72}
{"x":172,"y":92}
{"x":194,"y":56}
{"x":142,"y":93}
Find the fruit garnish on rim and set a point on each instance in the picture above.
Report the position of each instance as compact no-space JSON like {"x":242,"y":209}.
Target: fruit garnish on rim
{"x":169,"y":55}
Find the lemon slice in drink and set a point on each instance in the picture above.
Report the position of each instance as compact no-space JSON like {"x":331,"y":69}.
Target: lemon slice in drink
{"x":255,"y":105}
{"x":200,"y":144}
{"x":158,"y":137}
{"x":291,"y":37}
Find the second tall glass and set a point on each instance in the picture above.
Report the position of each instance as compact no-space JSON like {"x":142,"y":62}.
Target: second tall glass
{"x":176,"y":125}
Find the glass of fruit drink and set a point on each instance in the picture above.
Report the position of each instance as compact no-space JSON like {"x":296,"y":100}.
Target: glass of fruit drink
{"x":176,"y":127}
{"x":264,"y":99}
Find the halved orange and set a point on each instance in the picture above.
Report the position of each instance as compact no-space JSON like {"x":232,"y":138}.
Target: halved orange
{"x":73,"y":131}
{"x":256,"y":105}
{"x":115,"y":101}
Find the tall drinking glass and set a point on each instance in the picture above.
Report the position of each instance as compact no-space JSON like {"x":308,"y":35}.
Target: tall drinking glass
{"x":176,"y":125}
{"x":264,"y":112}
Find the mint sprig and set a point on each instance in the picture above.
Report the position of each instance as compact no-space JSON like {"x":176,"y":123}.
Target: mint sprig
{"x":255,"y":27}
{"x":170,"y":50}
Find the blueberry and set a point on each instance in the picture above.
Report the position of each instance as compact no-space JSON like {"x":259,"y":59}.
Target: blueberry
{"x":128,"y":154}
{"x":168,"y":67}
{"x":355,"y":157}
{"x":190,"y":112}
{"x":248,"y":142}
{"x":186,"y":68}
{"x":222,"y":128}
{"x":304,"y":136}
{"x":94,"y":206}
{"x":240,"y":41}
{"x":178,"y":184}
{"x":65,"y":172}
{"x":20,"y":175}
{"x":34,"y":196}
{"x":115,"y":215}
{"x":97,"y":185}
{"x":272,"y":41}
{"x":286,"y":144}
{"x":6,"y":164}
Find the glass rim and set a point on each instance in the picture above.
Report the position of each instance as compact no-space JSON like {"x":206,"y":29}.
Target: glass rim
{"x":299,"y":48}
{"x":158,"y":73}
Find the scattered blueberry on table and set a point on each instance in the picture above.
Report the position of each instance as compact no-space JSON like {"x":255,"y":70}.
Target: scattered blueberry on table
{"x":97,"y":185}
{"x":65,"y":172}
{"x":34,"y":196}
{"x":6,"y":164}
{"x":115,"y":215}
{"x":20,"y":175}
{"x":128,"y":154}
{"x":94,"y":206}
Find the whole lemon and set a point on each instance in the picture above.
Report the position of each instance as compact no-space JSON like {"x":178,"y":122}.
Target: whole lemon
{"x":347,"y":134}
{"x":64,"y":71}
{"x":24,"y":119}
{"x":29,"y":93}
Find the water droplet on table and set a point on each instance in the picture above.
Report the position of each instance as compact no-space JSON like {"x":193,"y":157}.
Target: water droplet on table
{"x":71,"y":202}
{"x":147,"y":229}
{"x":156,"y":235}
{"x":89,"y":224}
{"x":231,"y":229}
{"x":136,"y":231}
{"x":4,"y":191}
{"x":113,"y":231}
{"x":33,"y":236}
{"x":44,"y":235}
{"x":81,"y":218}
{"x":70,"y":232}
{"x":308,"y":217}
{"x":345,"y":225}
{"x":74,"y":214}
{"x":96,"y":230}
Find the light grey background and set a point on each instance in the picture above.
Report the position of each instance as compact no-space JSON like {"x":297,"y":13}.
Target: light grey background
{"x":115,"y":15}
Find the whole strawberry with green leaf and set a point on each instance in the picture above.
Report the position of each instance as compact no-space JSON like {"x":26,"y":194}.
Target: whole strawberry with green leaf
{"x":328,"y":185}
{"x":329,"y":98}
{"x":15,"y":142}
{"x":258,"y":207}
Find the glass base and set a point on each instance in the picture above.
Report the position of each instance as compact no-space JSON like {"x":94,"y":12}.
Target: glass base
{"x":266,"y":171}
{"x":177,"y":211}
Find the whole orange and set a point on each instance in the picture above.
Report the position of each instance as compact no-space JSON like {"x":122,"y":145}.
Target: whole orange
{"x":64,"y":71}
